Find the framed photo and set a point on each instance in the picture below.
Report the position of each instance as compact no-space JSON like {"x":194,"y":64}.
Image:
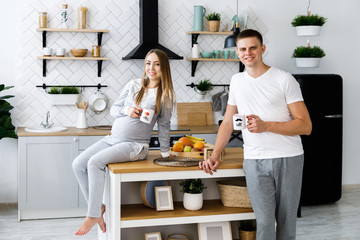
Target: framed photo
{"x":164,"y":199}
{"x":214,"y":231}
{"x":153,"y":236}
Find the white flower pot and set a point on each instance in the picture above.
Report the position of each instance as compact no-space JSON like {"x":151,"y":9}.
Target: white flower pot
{"x":308,"y":30}
{"x":307,"y":62}
{"x":193,"y":202}
{"x":63,"y":99}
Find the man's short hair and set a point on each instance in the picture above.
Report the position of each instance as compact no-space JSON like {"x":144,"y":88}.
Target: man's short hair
{"x":249,"y":33}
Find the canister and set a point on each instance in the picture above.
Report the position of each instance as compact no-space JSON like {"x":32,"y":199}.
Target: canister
{"x":42,"y":19}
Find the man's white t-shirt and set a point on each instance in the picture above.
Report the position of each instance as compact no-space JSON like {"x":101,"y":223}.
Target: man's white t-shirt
{"x":267,"y":97}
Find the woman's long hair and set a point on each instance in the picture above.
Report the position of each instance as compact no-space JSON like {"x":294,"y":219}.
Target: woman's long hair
{"x":165,"y":91}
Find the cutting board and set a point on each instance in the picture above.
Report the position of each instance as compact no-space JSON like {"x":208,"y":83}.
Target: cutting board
{"x":195,"y":114}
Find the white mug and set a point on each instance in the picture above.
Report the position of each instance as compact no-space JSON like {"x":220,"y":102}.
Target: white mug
{"x":239,"y":122}
{"x":60,"y":52}
{"x":147,"y":115}
{"x":47,"y":52}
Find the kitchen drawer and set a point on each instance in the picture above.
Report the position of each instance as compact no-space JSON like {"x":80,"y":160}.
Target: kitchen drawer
{"x":87,"y":141}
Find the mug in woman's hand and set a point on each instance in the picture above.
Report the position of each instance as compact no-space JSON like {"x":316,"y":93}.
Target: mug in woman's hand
{"x":146,"y":115}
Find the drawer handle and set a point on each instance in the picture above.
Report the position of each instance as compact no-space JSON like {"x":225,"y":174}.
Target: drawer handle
{"x":75,"y":139}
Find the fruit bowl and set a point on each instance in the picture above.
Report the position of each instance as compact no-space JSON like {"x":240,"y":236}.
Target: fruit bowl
{"x":79,"y":52}
{"x":206,"y":54}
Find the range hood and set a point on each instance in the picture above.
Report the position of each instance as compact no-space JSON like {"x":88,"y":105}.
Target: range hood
{"x":149,"y":32}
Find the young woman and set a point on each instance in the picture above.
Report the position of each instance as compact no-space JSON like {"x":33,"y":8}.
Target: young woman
{"x":130,"y":137}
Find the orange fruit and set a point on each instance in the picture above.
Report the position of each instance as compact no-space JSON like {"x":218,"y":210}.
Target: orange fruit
{"x":184,"y":140}
{"x":178,"y":147}
{"x":199,"y":145}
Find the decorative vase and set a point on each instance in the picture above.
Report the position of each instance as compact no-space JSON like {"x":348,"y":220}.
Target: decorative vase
{"x":193,"y":201}
{"x":308,"y":30}
{"x":63,"y":99}
{"x":213,"y":26}
{"x":307,"y":62}
{"x":199,"y":12}
{"x":195,"y":53}
{"x":81,"y":119}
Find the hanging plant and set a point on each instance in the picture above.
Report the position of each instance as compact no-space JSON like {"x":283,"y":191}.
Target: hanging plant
{"x":7,"y":129}
{"x":308,"y":52}
{"x":312,"y":20}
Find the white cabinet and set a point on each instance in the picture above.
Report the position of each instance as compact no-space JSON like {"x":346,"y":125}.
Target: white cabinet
{"x":47,"y":185}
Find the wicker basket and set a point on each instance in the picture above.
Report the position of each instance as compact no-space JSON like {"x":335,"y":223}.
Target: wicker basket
{"x":247,"y":235}
{"x":213,"y":26}
{"x":233,"y":193}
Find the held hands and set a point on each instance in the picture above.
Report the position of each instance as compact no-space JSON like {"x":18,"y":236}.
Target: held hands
{"x":209,"y":165}
{"x":134,"y":112}
{"x":255,"y":124}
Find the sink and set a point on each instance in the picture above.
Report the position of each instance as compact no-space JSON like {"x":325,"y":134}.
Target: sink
{"x":45,"y":130}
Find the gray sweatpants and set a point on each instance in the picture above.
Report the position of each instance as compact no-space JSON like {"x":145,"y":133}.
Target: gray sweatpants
{"x":274,"y":187}
{"x":89,"y":168}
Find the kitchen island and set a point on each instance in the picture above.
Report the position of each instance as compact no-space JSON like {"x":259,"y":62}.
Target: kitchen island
{"x":119,"y":216}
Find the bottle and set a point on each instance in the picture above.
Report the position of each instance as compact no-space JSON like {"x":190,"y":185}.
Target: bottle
{"x":42,"y":19}
{"x":195,"y":53}
{"x":64,"y":16}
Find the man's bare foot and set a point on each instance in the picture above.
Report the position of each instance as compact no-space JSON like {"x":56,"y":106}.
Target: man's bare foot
{"x":88,"y":223}
{"x":101,"y":222}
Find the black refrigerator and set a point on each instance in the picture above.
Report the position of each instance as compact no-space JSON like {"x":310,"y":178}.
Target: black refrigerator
{"x":322,"y":174}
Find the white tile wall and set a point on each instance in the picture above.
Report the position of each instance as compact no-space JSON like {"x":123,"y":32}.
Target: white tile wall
{"x":123,"y":23}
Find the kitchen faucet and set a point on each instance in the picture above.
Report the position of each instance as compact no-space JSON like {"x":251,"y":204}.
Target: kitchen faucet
{"x":47,"y":124}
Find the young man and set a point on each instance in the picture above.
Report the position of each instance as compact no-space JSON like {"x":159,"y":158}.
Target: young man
{"x":273,"y":154}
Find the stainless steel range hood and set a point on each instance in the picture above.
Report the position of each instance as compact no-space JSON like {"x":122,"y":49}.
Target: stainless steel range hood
{"x":149,"y":32}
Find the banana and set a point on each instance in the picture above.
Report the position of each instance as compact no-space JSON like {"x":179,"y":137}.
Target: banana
{"x":195,"y":141}
{"x":194,"y":138}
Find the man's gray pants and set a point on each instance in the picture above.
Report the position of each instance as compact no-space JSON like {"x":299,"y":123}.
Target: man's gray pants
{"x":274,"y":187}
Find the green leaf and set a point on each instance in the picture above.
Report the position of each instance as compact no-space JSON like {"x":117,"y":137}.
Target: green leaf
{"x":6,"y":97}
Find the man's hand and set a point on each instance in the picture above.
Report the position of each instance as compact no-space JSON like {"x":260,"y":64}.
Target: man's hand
{"x":134,"y":112}
{"x":209,"y":165}
{"x":255,"y":124}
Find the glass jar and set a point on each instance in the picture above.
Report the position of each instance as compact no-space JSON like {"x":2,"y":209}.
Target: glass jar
{"x":42,"y":19}
{"x":82,"y":17}
{"x":95,"y":52}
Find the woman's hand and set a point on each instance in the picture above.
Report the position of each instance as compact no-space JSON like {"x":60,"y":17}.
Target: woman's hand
{"x":134,"y":112}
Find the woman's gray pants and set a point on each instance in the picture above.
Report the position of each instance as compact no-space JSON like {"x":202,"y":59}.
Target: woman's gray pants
{"x":274,"y":187}
{"x":89,"y":168}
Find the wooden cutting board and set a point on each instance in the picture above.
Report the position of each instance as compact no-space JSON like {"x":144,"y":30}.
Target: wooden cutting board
{"x":195,"y":114}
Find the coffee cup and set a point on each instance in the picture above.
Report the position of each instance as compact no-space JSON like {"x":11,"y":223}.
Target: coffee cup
{"x":226,"y":54}
{"x":47,"y":52}
{"x":60,"y":52}
{"x":216,"y":53}
{"x":239,"y":122}
{"x":147,"y":115}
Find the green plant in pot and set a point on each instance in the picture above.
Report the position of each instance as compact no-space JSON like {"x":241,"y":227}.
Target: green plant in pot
{"x":193,"y":197}
{"x":7,"y":129}
{"x":309,"y":25}
{"x":67,"y":95}
{"x":213,"y":21}
{"x":308,"y":56}
{"x":203,"y":86}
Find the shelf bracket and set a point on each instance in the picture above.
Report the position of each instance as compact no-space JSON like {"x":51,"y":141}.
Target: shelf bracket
{"x":241,"y":67}
{"x":99,"y":62}
{"x":99,"y":37}
{"x":44,"y":67}
{"x":44,"y":39}
{"x":193,"y":67}
{"x":194,"y":38}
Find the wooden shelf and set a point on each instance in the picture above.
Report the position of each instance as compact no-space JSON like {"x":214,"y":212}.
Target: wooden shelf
{"x":214,"y":59}
{"x":209,"y":33}
{"x":75,"y":58}
{"x":72,"y":30}
{"x":138,"y":215}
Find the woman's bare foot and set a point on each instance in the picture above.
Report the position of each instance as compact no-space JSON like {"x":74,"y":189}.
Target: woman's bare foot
{"x":88,"y":223}
{"x":101,"y":221}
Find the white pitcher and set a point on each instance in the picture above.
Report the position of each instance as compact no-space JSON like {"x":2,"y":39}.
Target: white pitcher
{"x":81,"y":119}
{"x":195,"y":53}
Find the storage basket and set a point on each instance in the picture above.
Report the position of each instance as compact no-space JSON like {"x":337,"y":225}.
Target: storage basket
{"x":233,"y":193}
{"x":213,"y":26}
{"x":247,"y":235}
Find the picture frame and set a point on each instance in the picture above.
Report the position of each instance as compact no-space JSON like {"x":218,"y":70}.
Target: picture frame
{"x":153,"y":236}
{"x":164,"y":199}
{"x":215,"y":231}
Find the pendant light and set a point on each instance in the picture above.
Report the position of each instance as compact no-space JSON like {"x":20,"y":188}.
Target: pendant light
{"x":230,"y":40}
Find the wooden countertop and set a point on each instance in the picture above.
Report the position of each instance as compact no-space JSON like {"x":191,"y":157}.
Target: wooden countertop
{"x":72,"y":131}
{"x":233,"y":159}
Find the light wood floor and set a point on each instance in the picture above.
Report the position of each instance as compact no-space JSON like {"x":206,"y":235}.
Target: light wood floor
{"x":337,"y":221}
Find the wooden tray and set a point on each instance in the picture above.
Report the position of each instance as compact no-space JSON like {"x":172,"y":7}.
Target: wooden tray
{"x":203,"y":155}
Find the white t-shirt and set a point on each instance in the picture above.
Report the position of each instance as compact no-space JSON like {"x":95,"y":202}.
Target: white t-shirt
{"x":267,"y":97}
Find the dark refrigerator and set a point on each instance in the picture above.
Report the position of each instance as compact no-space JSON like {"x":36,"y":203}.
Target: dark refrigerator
{"x":322,"y":174}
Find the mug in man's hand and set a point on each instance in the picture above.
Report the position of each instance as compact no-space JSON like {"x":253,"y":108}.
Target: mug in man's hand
{"x":239,"y":122}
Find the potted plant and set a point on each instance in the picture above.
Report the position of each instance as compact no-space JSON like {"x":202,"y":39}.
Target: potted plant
{"x":193,"y":197}
{"x":213,"y":21}
{"x":7,"y":129}
{"x":64,"y":96}
{"x":309,"y":25}
{"x":203,"y":86}
{"x":308,"y":56}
